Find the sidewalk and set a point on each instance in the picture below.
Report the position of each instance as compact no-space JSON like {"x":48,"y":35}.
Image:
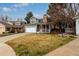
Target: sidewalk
{"x":6,"y":50}
{"x":70,"y":49}
{"x":10,"y":37}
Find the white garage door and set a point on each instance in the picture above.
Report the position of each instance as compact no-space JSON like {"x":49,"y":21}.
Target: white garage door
{"x":31,"y":29}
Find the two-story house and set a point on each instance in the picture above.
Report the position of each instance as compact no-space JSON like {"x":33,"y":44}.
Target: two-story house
{"x":14,"y":26}
{"x":38,"y":25}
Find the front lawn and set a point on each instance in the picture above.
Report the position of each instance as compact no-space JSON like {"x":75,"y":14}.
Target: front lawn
{"x":38,"y":44}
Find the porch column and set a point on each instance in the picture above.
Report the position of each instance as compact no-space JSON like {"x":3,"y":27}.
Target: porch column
{"x":41,"y":29}
{"x":49,"y":28}
{"x":10,"y":29}
{"x":45,"y":28}
{"x":15,"y":30}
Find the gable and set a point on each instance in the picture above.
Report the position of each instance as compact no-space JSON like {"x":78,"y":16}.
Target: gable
{"x":2,"y":25}
{"x":33,"y":20}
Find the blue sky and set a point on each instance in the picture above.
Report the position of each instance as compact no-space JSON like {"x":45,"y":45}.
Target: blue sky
{"x":19,"y":10}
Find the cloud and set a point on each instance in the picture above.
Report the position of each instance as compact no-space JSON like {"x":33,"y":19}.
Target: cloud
{"x":21,"y":5}
{"x":13,"y":7}
{"x":5,"y":9}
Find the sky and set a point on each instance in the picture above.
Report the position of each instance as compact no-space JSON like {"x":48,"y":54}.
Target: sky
{"x":19,"y":10}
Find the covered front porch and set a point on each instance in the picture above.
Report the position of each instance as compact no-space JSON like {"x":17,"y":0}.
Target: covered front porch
{"x":43,"y":28}
{"x":63,"y":28}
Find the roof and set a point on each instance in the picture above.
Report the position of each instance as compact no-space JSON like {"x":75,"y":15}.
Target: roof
{"x":6,"y":24}
{"x":37,"y":24}
{"x":1,"y":25}
{"x":17,"y":26}
{"x":76,"y":17}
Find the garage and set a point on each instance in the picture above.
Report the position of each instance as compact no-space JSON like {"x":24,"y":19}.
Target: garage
{"x":31,"y":28}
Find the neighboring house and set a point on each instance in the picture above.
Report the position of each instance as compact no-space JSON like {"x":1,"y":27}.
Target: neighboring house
{"x":38,"y":26}
{"x":17,"y":27}
{"x":77,"y":25}
{"x":14,"y":26}
{"x":7,"y":26}
{"x":2,"y":28}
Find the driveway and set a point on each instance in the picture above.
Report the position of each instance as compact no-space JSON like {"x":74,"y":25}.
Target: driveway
{"x":6,"y":50}
{"x":70,"y":49}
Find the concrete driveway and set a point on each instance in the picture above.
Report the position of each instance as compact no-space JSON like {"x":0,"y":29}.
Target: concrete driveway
{"x":70,"y":49}
{"x":6,"y":50}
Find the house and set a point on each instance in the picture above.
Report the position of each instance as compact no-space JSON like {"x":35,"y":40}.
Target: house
{"x":14,"y":26}
{"x":17,"y":27}
{"x":44,"y":26}
{"x":38,"y":26}
{"x":77,"y":25}
{"x":7,"y":26}
{"x":2,"y":28}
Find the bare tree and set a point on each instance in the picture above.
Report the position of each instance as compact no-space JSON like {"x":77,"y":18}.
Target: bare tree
{"x":62,"y":14}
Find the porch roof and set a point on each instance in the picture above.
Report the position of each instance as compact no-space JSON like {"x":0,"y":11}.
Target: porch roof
{"x":37,"y":24}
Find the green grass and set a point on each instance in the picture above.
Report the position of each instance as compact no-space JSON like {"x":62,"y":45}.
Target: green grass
{"x":38,"y":44}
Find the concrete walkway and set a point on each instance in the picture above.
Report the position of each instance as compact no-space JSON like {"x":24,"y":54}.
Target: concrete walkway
{"x":6,"y":50}
{"x":10,"y":37}
{"x":70,"y":49}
